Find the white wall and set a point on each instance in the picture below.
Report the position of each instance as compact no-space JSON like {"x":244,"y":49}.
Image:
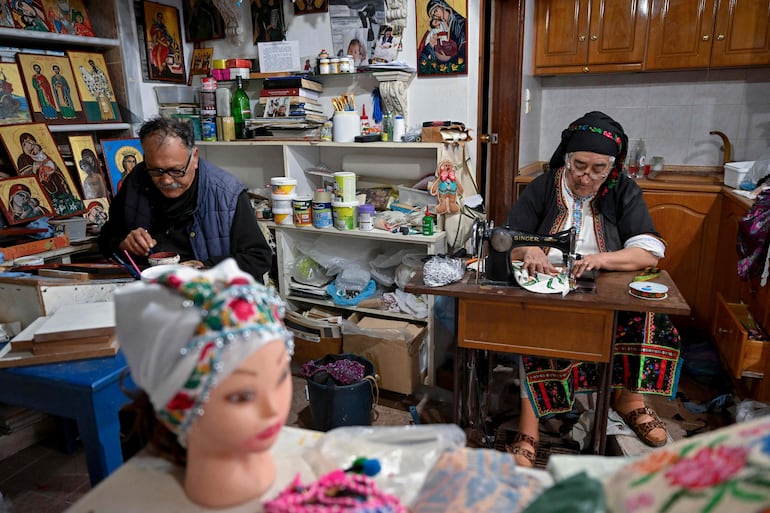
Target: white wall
{"x":429,"y":98}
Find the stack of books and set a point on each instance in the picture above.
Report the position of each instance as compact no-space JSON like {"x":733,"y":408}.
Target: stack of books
{"x":294,"y":96}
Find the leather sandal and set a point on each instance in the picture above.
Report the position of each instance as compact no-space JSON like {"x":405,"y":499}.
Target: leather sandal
{"x":642,"y":430}
{"x":517,"y":450}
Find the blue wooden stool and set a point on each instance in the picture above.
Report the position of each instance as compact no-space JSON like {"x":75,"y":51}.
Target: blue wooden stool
{"x":88,"y":391}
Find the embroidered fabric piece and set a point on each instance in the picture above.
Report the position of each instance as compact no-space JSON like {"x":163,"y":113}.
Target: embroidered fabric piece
{"x":335,"y":492}
{"x":344,"y":371}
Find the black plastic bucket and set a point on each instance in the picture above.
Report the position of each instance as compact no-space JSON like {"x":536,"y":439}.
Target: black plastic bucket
{"x":333,"y":406}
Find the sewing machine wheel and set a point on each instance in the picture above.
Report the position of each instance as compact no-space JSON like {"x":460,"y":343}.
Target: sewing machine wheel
{"x":501,"y":240}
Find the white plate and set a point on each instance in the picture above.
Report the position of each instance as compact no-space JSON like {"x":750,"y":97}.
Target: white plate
{"x":542,"y":283}
{"x":153,"y":272}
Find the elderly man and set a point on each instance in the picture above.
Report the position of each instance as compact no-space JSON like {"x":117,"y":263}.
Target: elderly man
{"x":175,"y":201}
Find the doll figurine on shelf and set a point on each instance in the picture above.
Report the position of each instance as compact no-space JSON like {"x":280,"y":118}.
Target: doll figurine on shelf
{"x":446,"y":187}
{"x":210,"y":351}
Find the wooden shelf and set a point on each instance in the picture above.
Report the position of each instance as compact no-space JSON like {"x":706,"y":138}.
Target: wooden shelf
{"x":90,"y":127}
{"x":18,"y":37}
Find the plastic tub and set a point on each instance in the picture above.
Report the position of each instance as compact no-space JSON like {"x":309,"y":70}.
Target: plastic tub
{"x":283,"y":186}
{"x":322,"y":214}
{"x":735,"y":172}
{"x":344,"y":405}
{"x":345,"y":186}
{"x":344,"y":215}
{"x":283,"y":216}
{"x":302,"y":212}
{"x":283,"y":201}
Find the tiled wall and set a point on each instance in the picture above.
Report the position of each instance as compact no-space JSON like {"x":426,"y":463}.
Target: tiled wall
{"x":672,"y":111}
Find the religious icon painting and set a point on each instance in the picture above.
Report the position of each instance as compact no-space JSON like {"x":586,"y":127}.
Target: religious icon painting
{"x":6,"y":16}
{"x":68,"y":17}
{"x":97,"y":212}
{"x":202,"y":21}
{"x":34,"y":153}
{"x":442,"y":37}
{"x":95,"y":87}
{"x":29,"y":15}
{"x":267,"y":20}
{"x":23,"y":200}
{"x":200,"y":63}
{"x":92,"y":181}
{"x":51,"y":89}
{"x":14,"y":107}
{"x":120,"y":157}
{"x":163,"y":37}
{"x":310,"y":6}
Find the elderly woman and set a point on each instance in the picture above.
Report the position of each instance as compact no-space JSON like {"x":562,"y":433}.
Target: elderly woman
{"x":585,"y":189}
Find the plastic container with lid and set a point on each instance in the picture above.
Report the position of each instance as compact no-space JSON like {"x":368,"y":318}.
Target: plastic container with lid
{"x":324,"y":67}
{"x":344,"y":214}
{"x":366,"y":217}
{"x":283,"y":216}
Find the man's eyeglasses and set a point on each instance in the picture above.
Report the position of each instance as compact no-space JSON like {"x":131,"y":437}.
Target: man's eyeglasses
{"x":173,"y":173}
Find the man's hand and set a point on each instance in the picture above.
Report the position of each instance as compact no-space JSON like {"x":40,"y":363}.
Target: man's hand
{"x":138,"y":242}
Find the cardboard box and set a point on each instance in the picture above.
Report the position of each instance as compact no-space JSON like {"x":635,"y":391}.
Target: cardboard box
{"x":444,"y":131}
{"x":34,"y":247}
{"x":313,"y":338}
{"x":397,"y":359}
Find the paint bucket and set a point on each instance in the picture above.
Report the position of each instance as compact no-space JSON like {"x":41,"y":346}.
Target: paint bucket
{"x":282,"y":201}
{"x":344,"y":215}
{"x":283,"y":186}
{"x":346,"y":126}
{"x":283,"y":216}
{"x":322,"y":214}
{"x":345,"y":186}
{"x":333,"y":406}
{"x":302,"y":213}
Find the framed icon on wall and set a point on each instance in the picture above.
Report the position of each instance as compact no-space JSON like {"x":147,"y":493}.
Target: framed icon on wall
{"x":90,"y":171}
{"x":121,"y":157}
{"x":51,"y":89}
{"x":95,"y":87}
{"x":22,"y":200}
{"x":14,"y":107}
{"x":163,"y":37}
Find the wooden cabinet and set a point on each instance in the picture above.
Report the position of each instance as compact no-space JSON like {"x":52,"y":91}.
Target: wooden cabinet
{"x":580,"y":36}
{"x":688,"y":221}
{"x":708,"y":33}
{"x":726,"y":280}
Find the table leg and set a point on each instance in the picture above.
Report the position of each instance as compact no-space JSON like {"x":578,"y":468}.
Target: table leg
{"x":460,"y":391}
{"x":603,"y":397}
{"x":99,"y":426}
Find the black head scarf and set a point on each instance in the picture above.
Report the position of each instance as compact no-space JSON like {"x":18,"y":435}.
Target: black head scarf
{"x":598,"y":133}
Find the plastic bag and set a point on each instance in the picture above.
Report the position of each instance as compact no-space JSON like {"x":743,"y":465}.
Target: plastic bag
{"x":406,"y":453}
{"x":749,"y":410}
{"x":306,"y":270}
{"x":442,"y":270}
{"x":335,"y":257}
{"x":759,"y":171}
{"x":384,"y":266}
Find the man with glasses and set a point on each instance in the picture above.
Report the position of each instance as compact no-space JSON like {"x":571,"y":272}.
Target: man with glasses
{"x":585,"y":188}
{"x":175,"y":201}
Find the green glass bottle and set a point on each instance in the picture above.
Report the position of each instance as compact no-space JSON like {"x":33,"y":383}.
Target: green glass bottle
{"x":241,"y":110}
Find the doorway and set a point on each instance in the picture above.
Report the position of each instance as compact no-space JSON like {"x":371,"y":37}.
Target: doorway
{"x":501,"y":59}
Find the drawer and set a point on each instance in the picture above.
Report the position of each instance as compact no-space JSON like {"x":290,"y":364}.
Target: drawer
{"x":741,"y":355}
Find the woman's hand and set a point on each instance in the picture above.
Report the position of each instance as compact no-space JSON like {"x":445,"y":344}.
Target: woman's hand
{"x":138,"y":241}
{"x":627,"y":259}
{"x":535,"y":261}
{"x":589,"y":263}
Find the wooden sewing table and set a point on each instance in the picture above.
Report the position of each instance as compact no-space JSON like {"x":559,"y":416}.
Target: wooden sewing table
{"x":579,"y":326}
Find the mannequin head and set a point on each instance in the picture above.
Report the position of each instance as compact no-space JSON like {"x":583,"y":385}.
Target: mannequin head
{"x":211,"y":352}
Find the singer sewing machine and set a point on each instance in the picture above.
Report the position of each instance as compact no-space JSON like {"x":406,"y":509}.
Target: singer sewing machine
{"x":498,"y":268}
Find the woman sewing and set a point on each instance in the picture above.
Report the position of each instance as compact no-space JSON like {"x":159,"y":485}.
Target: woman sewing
{"x":585,"y":189}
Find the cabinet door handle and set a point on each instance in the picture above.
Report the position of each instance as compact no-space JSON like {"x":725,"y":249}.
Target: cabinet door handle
{"x":720,"y":37}
{"x":585,"y":69}
{"x":581,"y":38}
{"x":705,"y":37}
{"x":594,"y":37}
{"x":722,"y":331}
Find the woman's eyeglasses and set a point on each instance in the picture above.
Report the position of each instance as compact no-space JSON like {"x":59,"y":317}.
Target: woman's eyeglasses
{"x":593,"y":175}
{"x":173,"y":173}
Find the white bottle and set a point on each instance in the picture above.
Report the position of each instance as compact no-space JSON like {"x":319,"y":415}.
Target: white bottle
{"x":399,"y":128}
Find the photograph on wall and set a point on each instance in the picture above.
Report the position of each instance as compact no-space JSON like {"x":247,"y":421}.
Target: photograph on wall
{"x":34,"y":153}
{"x":355,"y":25}
{"x":200,"y":64}
{"x":29,"y":15}
{"x":267,"y":21}
{"x":387,"y":46}
{"x":97,"y":212}
{"x":310,"y":6}
{"x":162,"y":33}
{"x":202,"y":21}
{"x":92,"y":181}
{"x":13,"y":103}
{"x":121,"y":157}
{"x":68,"y":17}
{"x":22,"y":200}
{"x":442,"y":36}
{"x":95,"y":87}
{"x":50,"y":84}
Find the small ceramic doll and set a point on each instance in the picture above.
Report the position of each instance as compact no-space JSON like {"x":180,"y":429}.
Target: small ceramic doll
{"x":210,"y":350}
{"x":446,"y":188}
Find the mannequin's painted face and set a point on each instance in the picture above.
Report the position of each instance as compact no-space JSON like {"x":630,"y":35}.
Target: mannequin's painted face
{"x":246,"y":410}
